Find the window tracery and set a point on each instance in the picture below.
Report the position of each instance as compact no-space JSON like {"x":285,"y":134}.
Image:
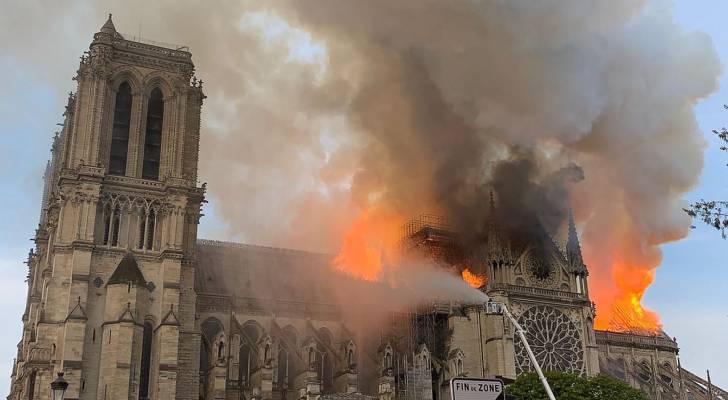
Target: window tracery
{"x":139,"y":211}
{"x":554,"y":339}
{"x":539,"y":271}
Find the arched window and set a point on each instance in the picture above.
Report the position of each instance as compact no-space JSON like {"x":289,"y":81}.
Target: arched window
{"x":147,"y":223}
{"x":31,"y":385}
{"x":350,"y":358}
{"x":115,"y":222}
{"x":283,"y":361}
{"x":146,"y":361}
{"x":150,"y":230}
{"x":153,"y":136}
{"x":142,"y":228}
{"x":245,"y":364}
{"x":266,"y":354}
{"x":221,"y":350}
{"x":205,"y":365}
{"x":289,"y":340}
{"x":120,"y":131}
{"x":210,"y":330}
{"x":327,"y":373}
{"x":112,"y":220}
{"x":311,"y":357}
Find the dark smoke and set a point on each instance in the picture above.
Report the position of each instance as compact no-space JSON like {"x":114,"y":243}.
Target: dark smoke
{"x":318,"y":110}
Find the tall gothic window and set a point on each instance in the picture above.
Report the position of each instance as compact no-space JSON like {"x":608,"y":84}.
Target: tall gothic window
{"x":153,"y":137}
{"x":112,"y":220}
{"x":283,"y":371}
{"x":146,"y":361}
{"x":120,"y":132}
{"x":327,"y":373}
{"x":286,"y":379}
{"x":31,"y":385}
{"x":147,"y":222}
{"x":245,"y":364}
{"x":115,"y":223}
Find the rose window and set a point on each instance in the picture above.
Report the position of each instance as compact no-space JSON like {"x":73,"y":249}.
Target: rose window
{"x":554,"y":339}
{"x":540,"y":272}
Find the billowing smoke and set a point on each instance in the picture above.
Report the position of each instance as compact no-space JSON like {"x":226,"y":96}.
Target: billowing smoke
{"x":320,"y":110}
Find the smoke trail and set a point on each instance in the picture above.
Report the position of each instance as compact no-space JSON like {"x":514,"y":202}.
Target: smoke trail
{"x":318,"y":110}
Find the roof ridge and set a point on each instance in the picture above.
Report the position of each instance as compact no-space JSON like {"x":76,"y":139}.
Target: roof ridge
{"x":239,"y":245}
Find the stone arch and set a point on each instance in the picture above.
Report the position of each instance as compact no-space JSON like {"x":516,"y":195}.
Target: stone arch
{"x":386,"y":354}
{"x":644,"y":370}
{"x":252,"y":331}
{"x":422,"y":358}
{"x":250,"y":334}
{"x":129,"y":74}
{"x":456,"y":359}
{"x":324,"y":334}
{"x":211,"y":330}
{"x":157,"y":80}
{"x":349,"y":355}
{"x":290,"y":336}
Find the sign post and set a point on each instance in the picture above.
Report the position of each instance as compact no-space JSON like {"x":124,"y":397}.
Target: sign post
{"x":476,"y":389}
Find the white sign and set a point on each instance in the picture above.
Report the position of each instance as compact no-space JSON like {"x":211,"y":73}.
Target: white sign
{"x":476,"y":389}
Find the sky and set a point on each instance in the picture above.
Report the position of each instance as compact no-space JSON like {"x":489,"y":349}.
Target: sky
{"x":691,"y":287}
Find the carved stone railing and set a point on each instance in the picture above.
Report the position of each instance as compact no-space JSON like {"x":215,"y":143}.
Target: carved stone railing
{"x":535,"y":291}
{"x":126,"y":180}
{"x":633,"y":340}
{"x":158,"y":48}
{"x":90,"y":170}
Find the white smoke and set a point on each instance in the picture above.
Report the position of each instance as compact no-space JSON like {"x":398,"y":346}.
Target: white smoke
{"x":318,"y":109}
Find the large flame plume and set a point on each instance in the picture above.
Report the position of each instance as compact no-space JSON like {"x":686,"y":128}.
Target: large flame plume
{"x":368,"y":245}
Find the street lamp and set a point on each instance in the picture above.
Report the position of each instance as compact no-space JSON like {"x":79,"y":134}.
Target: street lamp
{"x":495,"y":308}
{"x":58,"y":387}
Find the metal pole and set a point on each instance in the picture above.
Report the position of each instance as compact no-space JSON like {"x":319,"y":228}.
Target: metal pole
{"x":522,"y":335}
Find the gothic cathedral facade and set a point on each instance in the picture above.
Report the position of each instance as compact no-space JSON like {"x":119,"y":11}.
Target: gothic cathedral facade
{"x":122,"y":179}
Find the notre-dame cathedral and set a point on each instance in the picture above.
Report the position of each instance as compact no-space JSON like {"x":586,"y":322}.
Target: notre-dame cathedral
{"x":128,"y":303}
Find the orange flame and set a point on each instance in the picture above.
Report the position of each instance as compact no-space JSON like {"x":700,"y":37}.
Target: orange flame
{"x":624,"y":312}
{"x":370,"y":242}
{"x":473,"y":279}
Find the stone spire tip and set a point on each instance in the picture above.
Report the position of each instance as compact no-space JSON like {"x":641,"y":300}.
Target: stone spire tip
{"x":108,"y":26}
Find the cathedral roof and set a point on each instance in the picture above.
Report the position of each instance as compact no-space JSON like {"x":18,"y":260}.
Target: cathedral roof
{"x":260,"y":272}
{"x":128,"y":271}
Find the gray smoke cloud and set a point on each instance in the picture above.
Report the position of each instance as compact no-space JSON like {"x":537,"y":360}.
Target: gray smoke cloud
{"x":317,"y":110}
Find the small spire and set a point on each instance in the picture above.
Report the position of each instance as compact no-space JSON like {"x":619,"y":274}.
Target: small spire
{"x":108,"y":26}
{"x":492,"y":201}
{"x":573,"y":249}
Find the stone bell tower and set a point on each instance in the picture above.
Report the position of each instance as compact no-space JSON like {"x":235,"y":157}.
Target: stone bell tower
{"x":110,"y":298}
